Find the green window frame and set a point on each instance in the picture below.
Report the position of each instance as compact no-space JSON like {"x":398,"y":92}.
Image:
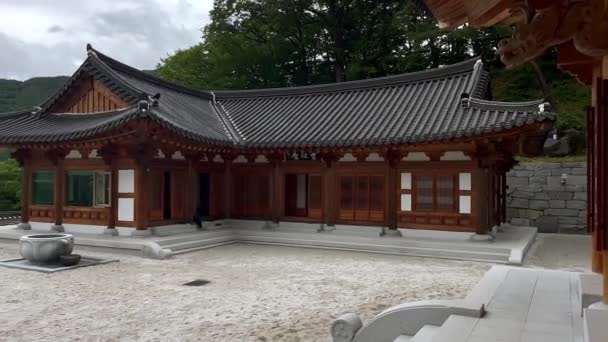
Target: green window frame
{"x":43,"y":187}
{"x":88,"y":188}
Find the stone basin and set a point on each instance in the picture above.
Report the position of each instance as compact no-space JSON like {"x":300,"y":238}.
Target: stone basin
{"x":45,"y":248}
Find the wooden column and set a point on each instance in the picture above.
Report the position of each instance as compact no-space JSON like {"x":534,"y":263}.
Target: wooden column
{"x":393,"y":187}
{"x":329,"y":179}
{"x":275,"y":186}
{"x":192,"y":188}
{"x":57,"y":158}
{"x":23,"y":157}
{"x":142,"y":154}
{"x":108,"y":153}
{"x":228,"y":159}
{"x":600,"y":172}
{"x":142,"y":200}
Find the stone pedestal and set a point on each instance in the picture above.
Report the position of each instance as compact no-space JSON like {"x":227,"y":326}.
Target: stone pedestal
{"x":57,"y":228}
{"x":141,"y":232}
{"x":110,"y":231}
{"x":24,"y":226}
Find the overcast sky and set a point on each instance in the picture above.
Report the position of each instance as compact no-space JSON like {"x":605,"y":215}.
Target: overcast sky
{"x":49,"y":37}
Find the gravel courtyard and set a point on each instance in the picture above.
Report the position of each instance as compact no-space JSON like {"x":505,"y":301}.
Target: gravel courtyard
{"x":257,"y":293}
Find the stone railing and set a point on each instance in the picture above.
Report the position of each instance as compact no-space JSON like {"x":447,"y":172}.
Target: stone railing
{"x":550,"y":196}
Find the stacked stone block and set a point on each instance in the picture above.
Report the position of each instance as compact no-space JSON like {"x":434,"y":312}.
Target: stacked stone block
{"x":539,"y":196}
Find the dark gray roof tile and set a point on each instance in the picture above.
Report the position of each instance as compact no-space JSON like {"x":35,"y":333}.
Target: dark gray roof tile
{"x":409,"y":108}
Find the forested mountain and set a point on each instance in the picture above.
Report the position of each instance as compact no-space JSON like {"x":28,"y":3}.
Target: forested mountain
{"x":17,"y":95}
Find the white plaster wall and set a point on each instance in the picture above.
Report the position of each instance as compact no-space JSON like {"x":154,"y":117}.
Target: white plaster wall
{"x":74,"y":154}
{"x":465,"y":204}
{"x":126,"y":209}
{"x":406,"y":202}
{"x":178,"y":156}
{"x":126,"y":181}
{"x":454,"y":155}
{"x":94,"y":154}
{"x":261,"y":159}
{"x":240,"y":159}
{"x":406,"y":180}
{"x":348,"y":157}
{"x":464,"y":181}
{"x":374,"y":157}
{"x":218,"y":159}
{"x":416,"y":156}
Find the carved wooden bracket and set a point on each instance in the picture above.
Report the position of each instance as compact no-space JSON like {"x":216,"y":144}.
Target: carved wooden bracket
{"x":142,"y":153}
{"x":329,"y":158}
{"x":21,"y":155}
{"x":56,"y":155}
{"x":275,"y":158}
{"x":360,"y":155}
{"x":108,"y":153}
{"x":585,"y":22}
{"x":250,"y":157}
{"x":393,"y":157}
{"x":85,"y":152}
{"x":229,"y":156}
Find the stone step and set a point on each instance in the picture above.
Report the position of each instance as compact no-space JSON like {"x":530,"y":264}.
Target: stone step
{"x":196,"y":236}
{"x":199,"y":243}
{"x":194,"y":249}
{"x":367,"y":245}
{"x":455,"y":329}
{"x":425,"y":334}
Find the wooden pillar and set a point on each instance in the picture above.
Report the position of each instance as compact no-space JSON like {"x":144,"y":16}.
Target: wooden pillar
{"x":192,"y":188}
{"x":142,"y":199}
{"x":392,"y":159}
{"x":113,"y":215}
{"x":57,"y":158}
{"x":329,"y":180}
{"x":600,"y":234}
{"x":108,"y":153}
{"x":142,"y":154}
{"x":228,"y":159}
{"x":276,"y":195}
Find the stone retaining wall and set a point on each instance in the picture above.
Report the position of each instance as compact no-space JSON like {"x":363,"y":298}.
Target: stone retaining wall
{"x":540,"y":196}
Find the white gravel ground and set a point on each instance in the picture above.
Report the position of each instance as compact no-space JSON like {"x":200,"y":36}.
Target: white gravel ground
{"x":257,"y":293}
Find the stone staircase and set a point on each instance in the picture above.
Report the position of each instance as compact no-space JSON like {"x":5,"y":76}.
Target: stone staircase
{"x":190,"y":242}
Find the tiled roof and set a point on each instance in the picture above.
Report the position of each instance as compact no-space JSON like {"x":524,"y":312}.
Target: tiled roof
{"x":410,"y":108}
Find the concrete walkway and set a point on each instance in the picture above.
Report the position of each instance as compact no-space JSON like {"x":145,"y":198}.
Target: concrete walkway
{"x":531,"y":305}
{"x":509,"y":246}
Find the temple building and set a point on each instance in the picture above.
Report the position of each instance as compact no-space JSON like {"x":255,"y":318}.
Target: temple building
{"x":117,"y":150}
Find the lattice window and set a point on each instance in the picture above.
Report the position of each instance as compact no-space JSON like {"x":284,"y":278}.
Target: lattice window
{"x":376,"y":192}
{"x":424,"y":192}
{"x":315,"y":187}
{"x":445,"y":192}
{"x":346,"y":192}
{"x":362,"y":194}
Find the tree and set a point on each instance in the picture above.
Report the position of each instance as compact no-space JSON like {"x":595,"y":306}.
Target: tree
{"x":10,"y":184}
{"x":280,"y":43}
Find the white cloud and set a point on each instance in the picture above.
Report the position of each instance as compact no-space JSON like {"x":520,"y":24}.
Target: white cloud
{"x":45,"y":38}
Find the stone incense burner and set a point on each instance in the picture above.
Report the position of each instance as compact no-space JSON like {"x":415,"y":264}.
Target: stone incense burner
{"x":45,"y":248}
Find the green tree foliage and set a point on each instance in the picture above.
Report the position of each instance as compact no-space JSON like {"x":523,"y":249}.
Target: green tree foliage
{"x":17,"y":95}
{"x":10,"y":184}
{"x":279,"y":43}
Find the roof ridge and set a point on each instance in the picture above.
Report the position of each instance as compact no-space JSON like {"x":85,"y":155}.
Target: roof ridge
{"x":417,"y":76}
{"x":115,"y":64}
{"x":227,"y":122}
{"x":92,"y":114}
